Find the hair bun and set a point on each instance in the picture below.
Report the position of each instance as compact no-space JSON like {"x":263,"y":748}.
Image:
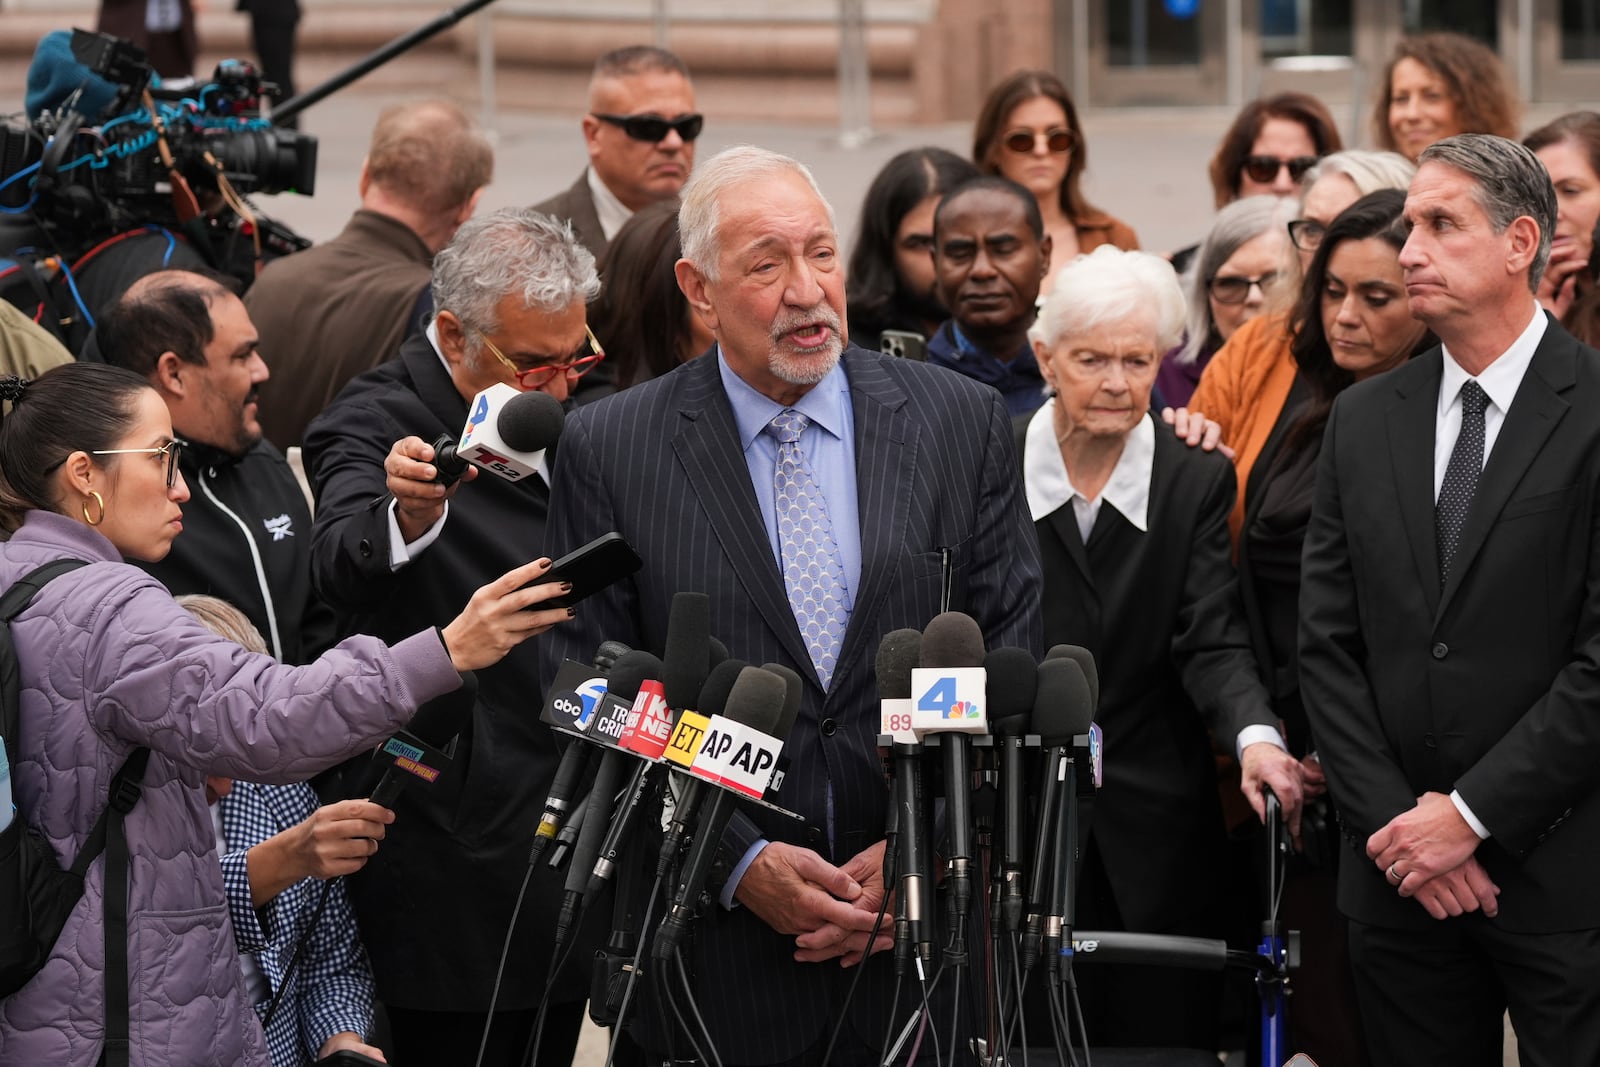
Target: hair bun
{"x":12,"y":387}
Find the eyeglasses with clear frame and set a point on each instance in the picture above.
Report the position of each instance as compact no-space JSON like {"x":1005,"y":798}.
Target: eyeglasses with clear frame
{"x":172,"y":449}
{"x":538,"y":377}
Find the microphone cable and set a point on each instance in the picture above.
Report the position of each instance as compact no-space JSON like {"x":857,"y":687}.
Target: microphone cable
{"x":890,"y":862}
{"x":499,"y":971}
{"x":633,"y":972}
{"x":694,"y":1008}
{"x":299,"y":946}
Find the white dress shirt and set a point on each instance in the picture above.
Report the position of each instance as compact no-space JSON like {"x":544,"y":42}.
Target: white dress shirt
{"x":1500,"y":381}
{"x":611,"y":212}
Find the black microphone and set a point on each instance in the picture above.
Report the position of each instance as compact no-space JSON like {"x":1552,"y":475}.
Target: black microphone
{"x":1085,"y":661}
{"x":575,"y":766}
{"x":898,"y":654}
{"x":953,"y":640}
{"x":683,"y":675}
{"x":430,"y":729}
{"x":501,"y":435}
{"x":629,"y":672}
{"x":1013,"y":683}
{"x":756,"y":701}
{"x":1060,"y":711}
{"x":794,"y":692}
{"x":713,"y":701}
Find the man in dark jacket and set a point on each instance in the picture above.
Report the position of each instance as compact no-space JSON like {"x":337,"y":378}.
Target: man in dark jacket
{"x":333,"y":311}
{"x":246,"y":536}
{"x":391,"y":549}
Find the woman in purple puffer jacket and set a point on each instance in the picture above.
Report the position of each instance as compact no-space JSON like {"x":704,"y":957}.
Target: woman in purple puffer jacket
{"x":109,"y":662}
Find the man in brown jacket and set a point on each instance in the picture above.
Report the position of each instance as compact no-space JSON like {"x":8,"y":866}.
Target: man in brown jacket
{"x":333,"y":311}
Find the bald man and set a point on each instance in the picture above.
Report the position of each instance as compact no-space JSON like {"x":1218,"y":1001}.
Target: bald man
{"x":331,"y":312}
{"x":640,"y":132}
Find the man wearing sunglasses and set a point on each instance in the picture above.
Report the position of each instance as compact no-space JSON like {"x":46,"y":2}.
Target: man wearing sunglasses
{"x":393,"y":548}
{"x":246,"y":528}
{"x":640,"y":132}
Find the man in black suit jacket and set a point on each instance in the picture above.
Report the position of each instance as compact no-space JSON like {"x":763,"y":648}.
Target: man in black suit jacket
{"x":392,"y":549}
{"x":669,"y":465}
{"x":1450,"y":640}
{"x":640,"y":133}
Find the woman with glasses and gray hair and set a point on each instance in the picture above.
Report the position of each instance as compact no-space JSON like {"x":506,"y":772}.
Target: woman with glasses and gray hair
{"x":109,"y":667}
{"x":1244,"y":386}
{"x":1236,"y":276}
{"x":1133,"y":538}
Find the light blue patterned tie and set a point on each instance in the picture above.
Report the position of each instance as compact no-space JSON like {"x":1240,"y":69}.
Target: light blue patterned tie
{"x":813,"y":571}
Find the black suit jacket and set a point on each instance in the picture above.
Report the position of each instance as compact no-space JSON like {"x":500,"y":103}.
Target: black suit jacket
{"x":1490,"y":685}
{"x":1160,"y":611}
{"x":576,"y":205}
{"x":936,"y":470}
{"x":436,"y":899}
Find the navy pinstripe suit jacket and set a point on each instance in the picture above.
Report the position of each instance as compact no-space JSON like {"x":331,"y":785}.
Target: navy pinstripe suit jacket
{"x":936,"y":470}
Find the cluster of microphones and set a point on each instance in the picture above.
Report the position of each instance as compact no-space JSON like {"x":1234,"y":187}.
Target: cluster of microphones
{"x":1015,"y":746}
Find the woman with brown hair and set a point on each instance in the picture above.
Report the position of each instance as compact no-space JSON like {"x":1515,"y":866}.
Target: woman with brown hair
{"x":1569,"y":148}
{"x":1029,"y":131}
{"x":1270,"y":146}
{"x":1438,"y":85}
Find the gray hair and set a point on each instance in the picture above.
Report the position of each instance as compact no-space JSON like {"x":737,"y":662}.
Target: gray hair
{"x":739,"y":165}
{"x":510,"y":252}
{"x":1110,"y":285}
{"x":1236,"y":225}
{"x":1510,"y":183}
{"x":1367,"y":171}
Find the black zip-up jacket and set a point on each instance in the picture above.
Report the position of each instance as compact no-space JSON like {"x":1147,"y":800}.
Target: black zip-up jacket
{"x":247,"y":539}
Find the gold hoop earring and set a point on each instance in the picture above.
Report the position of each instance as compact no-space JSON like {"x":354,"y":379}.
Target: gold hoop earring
{"x":101,"y":502}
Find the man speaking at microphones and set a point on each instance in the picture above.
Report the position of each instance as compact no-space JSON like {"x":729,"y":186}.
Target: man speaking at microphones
{"x":391,"y":548}
{"x":821,"y":496}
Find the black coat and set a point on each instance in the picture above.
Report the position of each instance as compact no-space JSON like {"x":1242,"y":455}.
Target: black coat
{"x":247,"y":539}
{"x":1160,"y":611}
{"x":1490,"y":685}
{"x":436,"y":899}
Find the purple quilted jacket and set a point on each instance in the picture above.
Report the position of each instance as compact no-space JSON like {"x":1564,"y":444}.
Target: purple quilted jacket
{"x":110,"y":662}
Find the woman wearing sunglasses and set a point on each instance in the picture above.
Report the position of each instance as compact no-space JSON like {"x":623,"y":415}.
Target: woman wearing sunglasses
{"x":1236,"y":273}
{"x":1270,"y":146}
{"x":109,"y":664}
{"x":1028,"y":131}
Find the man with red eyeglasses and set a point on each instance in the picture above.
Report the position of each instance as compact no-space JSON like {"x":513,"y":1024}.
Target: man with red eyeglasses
{"x":640,"y":132}
{"x":390,"y":547}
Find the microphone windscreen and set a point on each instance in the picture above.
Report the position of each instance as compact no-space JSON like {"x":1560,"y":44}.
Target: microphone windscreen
{"x":719,"y":683}
{"x":630,"y":671}
{"x":1085,"y":661}
{"x":605,"y":657}
{"x":1012,"y":681}
{"x":530,"y":421}
{"x":757,"y":700}
{"x":898,"y":653}
{"x":688,"y":652}
{"x":441,"y":718}
{"x":795,"y":689}
{"x":1062,"y":707}
{"x":719,"y":652}
{"x":952,"y":640}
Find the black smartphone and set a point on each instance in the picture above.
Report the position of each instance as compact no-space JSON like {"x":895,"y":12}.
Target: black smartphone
{"x":345,"y":1058}
{"x":590,"y":569}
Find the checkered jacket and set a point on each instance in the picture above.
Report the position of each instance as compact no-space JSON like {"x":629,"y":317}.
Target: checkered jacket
{"x":331,"y":989}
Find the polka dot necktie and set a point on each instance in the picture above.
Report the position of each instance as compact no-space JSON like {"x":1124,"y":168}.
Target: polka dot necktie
{"x":1460,"y":477}
{"x":813,"y":571}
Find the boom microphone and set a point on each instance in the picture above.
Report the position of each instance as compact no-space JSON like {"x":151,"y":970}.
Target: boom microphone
{"x":504,"y":433}
{"x":757,"y":701}
{"x":951,"y":640}
{"x":430,"y":729}
{"x":1061,"y":709}
{"x":1091,"y":673}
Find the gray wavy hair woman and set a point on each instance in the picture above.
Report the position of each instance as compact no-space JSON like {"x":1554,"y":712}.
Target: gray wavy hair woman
{"x":1137,"y":561}
{"x":1241,"y":270}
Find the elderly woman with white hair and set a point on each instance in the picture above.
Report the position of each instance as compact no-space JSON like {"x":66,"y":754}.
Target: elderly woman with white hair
{"x":1133,"y":537}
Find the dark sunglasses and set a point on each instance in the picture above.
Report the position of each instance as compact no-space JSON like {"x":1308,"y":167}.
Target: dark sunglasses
{"x":1232,"y":289}
{"x":654,"y":128}
{"x":1023,"y":141}
{"x":1307,"y":234}
{"x":1265,"y":168}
